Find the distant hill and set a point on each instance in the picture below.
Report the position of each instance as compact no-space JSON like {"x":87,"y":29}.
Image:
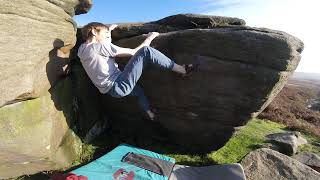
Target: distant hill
{"x":298,"y":103}
{"x":307,"y":80}
{"x":306,"y":76}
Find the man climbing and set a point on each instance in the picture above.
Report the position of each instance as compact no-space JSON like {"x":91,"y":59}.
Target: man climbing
{"x":97,"y":55}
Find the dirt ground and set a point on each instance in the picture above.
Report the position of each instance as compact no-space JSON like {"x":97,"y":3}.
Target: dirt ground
{"x":298,"y":104}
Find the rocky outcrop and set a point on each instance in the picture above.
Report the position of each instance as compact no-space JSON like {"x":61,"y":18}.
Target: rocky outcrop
{"x":32,"y":33}
{"x":241,"y":71}
{"x":287,"y":142}
{"x":35,"y":135}
{"x":268,"y":164}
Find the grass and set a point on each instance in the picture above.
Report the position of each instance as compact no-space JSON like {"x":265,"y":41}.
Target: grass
{"x":191,"y":160}
{"x":247,"y":139}
{"x":87,"y":154}
{"x":310,"y":147}
{"x":250,"y":137}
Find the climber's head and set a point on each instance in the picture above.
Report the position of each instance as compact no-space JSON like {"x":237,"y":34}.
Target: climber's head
{"x":95,"y":31}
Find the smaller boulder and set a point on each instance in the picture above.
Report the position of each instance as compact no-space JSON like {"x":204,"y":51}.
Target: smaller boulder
{"x":310,"y":159}
{"x":269,"y":164}
{"x":174,"y":23}
{"x":193,"y":21}
{"x":288,"y":142}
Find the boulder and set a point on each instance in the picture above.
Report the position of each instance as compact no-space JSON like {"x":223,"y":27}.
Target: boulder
{"x":269,"y":164}
{"x":92,"y":106}
{"x":287,"y":142}
{"x":33,"y":34}
{"x":310,"y":159}
{"x":241,"y":70}
{"x":35,"y":135}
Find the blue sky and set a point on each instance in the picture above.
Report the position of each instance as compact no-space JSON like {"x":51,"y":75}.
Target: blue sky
{"x":295,"y":17}
{"x":116,"y":11}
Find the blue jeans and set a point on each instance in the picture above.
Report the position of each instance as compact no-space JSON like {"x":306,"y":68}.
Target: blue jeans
{"x":126,"y":82}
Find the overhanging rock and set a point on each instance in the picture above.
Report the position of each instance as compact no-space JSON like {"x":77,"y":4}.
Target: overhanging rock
{"x":241,"y":70}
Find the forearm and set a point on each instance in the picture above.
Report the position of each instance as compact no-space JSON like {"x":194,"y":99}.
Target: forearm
{"x":125,"y":52}
{"x":128,"y":51}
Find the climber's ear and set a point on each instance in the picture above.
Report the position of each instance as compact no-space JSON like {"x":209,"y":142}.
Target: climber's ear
{"x":94,"y":32}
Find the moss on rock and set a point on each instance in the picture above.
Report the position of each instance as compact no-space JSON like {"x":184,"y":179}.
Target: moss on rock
{"x":36,"y":133}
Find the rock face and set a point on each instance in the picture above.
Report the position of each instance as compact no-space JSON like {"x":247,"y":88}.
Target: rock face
{"x":31,"y":34}
{"x":288,"y":142}
{"x":35,"y":134}
{"x":268,"y":164}
{"x":241,"y":70}
{"x":36,"y":38}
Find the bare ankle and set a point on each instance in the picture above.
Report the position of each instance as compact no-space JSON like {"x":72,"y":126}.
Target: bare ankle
{"x":179,"y":69}
{"x":150,"y":114}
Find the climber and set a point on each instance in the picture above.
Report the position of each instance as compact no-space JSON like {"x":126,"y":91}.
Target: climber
{"x":97,"y":55}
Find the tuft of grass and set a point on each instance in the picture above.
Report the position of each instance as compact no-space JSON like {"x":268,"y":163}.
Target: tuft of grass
{"x":249,"y":138}
{"x":87,"y":154}
{"x":310,"y":147}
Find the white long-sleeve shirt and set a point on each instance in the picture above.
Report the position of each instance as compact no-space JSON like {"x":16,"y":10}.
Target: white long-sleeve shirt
{"x":98,"y":60}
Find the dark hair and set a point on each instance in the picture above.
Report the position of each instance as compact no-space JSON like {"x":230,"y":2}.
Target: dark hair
{"x":86,"y":30}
